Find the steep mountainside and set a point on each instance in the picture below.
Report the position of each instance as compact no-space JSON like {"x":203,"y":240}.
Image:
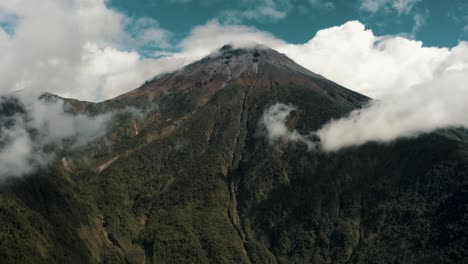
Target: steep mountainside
{"x":186,"y":175}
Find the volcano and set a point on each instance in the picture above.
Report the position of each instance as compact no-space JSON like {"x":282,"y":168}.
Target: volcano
{"x":192,"y":178}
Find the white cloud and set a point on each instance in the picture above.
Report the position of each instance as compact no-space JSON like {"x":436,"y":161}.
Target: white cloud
{"x":147,"y":32}
{"x":15,"y":157}
{"x":259,"y":10}
{"x":419,"y":21}
{"x":28,"y":125}
{"x":404,"y":6}
{"x":378,"y":66}
{"x":108,"y":71}
{"x":51,"y":48}
{"x":399,"y":6}
{"x":373,"y":5}
{"x":322,"y":4}
{"x":440,"y":103}
{"x":274,"y":120}
{"x":211,"y":36}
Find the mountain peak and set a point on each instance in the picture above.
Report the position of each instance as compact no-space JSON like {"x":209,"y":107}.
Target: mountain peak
{"x":231,"y":47}
{"x":254,"y":57}
{"x":253,"y":68}
{"x":254,"y":51}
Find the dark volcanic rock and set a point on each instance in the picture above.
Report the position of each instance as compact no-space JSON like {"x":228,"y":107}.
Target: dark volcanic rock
{"x":189,"y":179}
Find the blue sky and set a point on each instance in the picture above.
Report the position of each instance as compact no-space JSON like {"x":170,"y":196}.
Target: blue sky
{"x":435,"y":22}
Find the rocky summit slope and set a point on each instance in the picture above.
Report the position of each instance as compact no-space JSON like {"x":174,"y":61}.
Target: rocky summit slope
{"x":186,"y":175}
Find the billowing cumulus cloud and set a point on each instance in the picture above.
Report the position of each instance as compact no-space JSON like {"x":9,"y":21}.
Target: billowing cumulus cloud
{"x":436,"y":104}
{"x":55,"y":45}
{"x":378,"y":66}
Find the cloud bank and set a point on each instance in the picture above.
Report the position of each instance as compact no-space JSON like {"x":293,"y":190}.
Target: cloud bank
{"x":76,"y":48}
{"x":28,"y":126}
{"x":377,"y":66}
{"x":440,"y":103}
